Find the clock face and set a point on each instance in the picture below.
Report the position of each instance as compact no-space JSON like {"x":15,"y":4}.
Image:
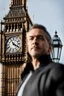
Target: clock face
{"x":13,"y":44}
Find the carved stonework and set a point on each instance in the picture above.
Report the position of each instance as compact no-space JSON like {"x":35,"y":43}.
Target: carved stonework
{"x":16,"y":12}
{"x":13,"y":49}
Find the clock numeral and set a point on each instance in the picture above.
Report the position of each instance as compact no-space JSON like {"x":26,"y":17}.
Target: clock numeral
{"x":7,"y":47}
{"x":15,"y":39}
{"x":15,"y":50}
{"x":18,"y":43}
{"x":8,"y":50}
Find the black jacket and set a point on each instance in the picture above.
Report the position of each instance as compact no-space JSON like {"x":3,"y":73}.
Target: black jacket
{"x":48,"y":80}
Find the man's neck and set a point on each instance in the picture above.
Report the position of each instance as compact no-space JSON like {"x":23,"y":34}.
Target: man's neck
{"x":41,"y":61}
{"x":35,"y":63}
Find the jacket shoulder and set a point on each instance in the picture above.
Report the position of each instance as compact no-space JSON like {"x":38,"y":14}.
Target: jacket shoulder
{"x":55,"y":67}
{"x":57,"y":71}
{"x":53,"y":77}
{"x":54,"y":70}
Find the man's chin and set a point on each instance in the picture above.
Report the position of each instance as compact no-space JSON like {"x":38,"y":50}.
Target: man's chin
{"x":35,"y":55}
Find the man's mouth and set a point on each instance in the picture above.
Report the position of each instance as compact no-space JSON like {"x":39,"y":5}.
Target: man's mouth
{"x":35,"y":47}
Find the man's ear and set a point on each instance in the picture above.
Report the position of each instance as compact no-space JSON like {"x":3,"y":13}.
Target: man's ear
{"x":50,"y":49}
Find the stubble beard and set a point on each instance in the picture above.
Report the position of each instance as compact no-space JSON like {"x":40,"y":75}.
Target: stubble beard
{"x":35,"y":54}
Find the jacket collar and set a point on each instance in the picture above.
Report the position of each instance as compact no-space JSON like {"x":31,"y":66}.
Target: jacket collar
{"x":45,"y":60}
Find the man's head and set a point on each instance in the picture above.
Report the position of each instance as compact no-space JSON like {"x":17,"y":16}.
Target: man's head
{"x":38,"y":41}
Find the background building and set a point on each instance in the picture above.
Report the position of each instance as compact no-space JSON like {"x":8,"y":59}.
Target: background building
{"x":13,"y":53}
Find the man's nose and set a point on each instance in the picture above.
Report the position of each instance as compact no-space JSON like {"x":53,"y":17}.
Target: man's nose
{"x":35,"y":40}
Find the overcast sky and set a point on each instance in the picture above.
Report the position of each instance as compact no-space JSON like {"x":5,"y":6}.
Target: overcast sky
{"x":47,"y":12}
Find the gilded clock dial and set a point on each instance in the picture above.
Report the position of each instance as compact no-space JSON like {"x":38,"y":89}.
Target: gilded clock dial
{"x":13,"y":44}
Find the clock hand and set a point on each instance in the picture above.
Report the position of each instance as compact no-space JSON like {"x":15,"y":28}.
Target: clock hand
{"x":15,"y":44}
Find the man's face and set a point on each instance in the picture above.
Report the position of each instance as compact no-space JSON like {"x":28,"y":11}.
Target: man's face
{"x":37,"y":43}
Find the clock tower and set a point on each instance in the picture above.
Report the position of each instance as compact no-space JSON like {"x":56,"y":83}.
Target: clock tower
{"x":13,"y":50}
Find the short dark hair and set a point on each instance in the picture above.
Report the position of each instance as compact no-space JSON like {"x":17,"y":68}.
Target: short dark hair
{"x":39,"y":26}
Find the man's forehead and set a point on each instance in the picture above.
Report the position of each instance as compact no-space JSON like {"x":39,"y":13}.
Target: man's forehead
{"x":36,"y":31}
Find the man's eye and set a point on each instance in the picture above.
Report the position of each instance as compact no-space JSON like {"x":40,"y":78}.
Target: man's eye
{"x":31,"y":38}
{"x":40,"y":37}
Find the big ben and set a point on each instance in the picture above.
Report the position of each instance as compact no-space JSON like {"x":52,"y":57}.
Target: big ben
{"x":13,"y":49}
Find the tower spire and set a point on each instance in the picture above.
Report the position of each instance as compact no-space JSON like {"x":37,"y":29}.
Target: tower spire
{"x":18,"y":2}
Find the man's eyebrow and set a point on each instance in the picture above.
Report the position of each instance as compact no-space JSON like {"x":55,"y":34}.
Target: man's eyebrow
{"x":35,"y":35}
{"x":31,"y":36}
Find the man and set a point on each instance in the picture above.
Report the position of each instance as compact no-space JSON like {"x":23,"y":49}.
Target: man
{"x":42,"y":77}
